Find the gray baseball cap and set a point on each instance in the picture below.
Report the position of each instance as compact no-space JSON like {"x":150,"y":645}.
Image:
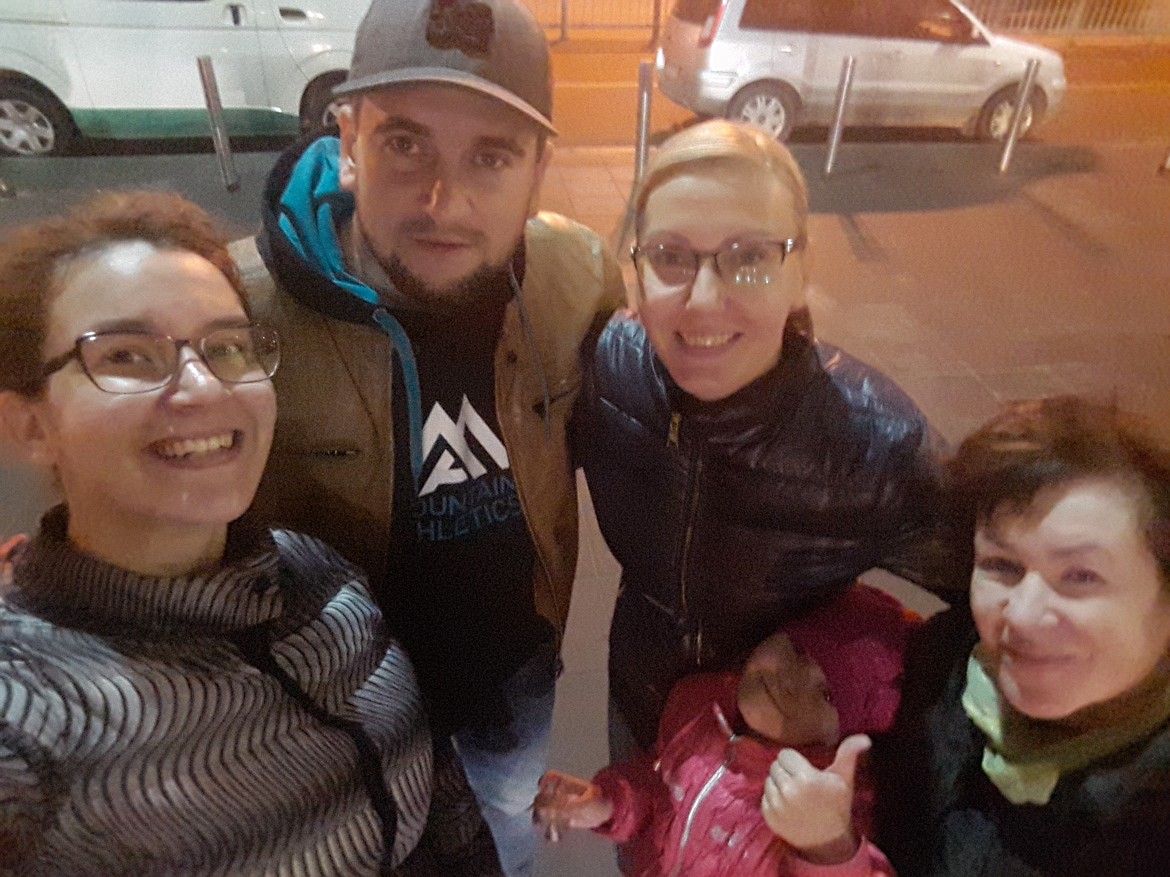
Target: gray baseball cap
{"x":495,"y":47}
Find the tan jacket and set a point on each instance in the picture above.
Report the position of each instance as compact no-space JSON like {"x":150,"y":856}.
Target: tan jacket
{"x":332,"y":465}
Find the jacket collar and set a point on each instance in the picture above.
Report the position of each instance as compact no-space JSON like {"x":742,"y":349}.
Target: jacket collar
{"x":69,"y":587}
{"x":779,"y":390}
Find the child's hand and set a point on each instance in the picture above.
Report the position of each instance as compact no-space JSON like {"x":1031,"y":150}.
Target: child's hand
{"x":812,"y":809}
{"x":565,"y":801}
{"x":6,"y":549}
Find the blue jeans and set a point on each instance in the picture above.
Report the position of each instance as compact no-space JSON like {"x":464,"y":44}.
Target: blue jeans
{"x":504,"y":765}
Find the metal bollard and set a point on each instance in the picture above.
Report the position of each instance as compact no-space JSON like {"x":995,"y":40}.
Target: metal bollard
{"x":219,"y":137}
{"x":645,"y":94}
{"x":656,"y":26}
{"x":843,"y":88}
{"x":1009,"y":143}
{"x":625,"y":229}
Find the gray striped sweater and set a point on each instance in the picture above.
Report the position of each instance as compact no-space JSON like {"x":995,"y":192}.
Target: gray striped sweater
{"x":231,"y":723}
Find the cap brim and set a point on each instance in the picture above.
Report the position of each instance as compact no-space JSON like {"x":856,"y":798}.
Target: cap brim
{"x":410,"y":75}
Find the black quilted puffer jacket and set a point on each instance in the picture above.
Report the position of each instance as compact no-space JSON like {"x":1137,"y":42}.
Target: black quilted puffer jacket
{"x":729,"y":517}
{"x":939,"y":815}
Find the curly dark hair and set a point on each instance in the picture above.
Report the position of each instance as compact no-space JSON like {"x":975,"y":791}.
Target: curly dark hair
{"x":32,"y":259}
{"x":1041,"y":443}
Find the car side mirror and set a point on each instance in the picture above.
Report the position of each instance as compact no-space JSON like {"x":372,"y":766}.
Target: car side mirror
{"x":945,"y":29}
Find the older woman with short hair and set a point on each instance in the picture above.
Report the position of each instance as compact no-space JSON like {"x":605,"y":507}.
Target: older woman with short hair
{"x":1035,"y":732}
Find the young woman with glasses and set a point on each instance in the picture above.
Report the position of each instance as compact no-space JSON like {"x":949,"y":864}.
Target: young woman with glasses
{"x":742,"y":472}
{"x":182,"y":692}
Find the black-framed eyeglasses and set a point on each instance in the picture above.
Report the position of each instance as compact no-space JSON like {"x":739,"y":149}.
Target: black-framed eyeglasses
{"x":139,"y":362}
{"x":747,"y":263}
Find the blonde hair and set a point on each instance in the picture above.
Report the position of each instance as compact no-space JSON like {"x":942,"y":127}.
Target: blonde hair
{"x":716,"y":142}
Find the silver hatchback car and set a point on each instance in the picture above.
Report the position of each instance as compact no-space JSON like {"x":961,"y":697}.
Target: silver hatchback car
{"x":778,"y":63}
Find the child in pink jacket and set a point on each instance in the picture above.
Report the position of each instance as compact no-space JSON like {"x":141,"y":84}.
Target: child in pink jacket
{"x":757,"y":771}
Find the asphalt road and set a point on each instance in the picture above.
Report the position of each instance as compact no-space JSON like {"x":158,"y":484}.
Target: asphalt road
{"x":1119,"y":91}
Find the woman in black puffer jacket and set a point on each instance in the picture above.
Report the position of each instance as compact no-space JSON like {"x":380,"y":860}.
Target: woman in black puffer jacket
{"x":742,"y":472}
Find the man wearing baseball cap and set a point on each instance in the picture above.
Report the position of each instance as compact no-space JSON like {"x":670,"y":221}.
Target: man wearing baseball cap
{"x":433,"y":321}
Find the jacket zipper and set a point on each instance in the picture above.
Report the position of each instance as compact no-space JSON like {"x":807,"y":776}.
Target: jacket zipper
{"x":691,"y":504}
{"x":708,"y":786}
{"x":544,"y":410}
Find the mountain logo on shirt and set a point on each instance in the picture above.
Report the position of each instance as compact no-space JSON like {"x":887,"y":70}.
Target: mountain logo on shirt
{"x":459,"y":459}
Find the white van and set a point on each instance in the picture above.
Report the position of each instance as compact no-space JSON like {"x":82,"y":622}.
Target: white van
{"x":127,"y":68}
{"x":778,"y":63}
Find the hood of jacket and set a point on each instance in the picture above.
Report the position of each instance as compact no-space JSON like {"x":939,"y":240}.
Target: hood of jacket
{"x":303,"y":207}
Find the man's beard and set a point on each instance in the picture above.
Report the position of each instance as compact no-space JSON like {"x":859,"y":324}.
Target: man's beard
{"x":471,"y":290}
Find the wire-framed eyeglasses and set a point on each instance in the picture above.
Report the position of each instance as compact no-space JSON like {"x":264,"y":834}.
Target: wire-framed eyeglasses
{"x":139,"y":362}
{"x":747,"y":263}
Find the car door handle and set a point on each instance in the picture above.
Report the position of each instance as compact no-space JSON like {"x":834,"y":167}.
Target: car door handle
{"x":290,"y":14}
{"x":786,"y":49}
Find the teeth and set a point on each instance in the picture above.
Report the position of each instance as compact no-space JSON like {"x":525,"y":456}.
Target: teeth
{"x":706,"y":340}
{"x":191,"y":447}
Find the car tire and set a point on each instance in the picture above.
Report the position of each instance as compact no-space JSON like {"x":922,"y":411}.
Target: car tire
{"x":770,"y":105}
{"x":318,"y":108}
{"x":995,"y":118}
{"x":32,"y":121}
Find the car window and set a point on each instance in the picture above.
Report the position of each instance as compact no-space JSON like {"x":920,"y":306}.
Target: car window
{"x":843,"y":17}
{"x":939,"y":20}
{"x":920,"y":20}
{"x":796,"y":15}
{"x":695,"y":11}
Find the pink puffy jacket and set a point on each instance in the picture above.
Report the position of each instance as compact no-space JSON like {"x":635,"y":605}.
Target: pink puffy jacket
{"x":696,"y":811}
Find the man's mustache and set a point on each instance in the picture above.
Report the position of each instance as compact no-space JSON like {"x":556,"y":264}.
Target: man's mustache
{"x":425,"y":225}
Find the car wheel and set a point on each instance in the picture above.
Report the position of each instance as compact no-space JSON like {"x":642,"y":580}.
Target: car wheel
{"x":32,"y":121}
{"x":770,"y":105}
{"x":318,"y":108}
{"x":995,"y":118}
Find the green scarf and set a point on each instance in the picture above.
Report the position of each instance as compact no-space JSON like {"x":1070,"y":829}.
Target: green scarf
{"x":1026,"y":757}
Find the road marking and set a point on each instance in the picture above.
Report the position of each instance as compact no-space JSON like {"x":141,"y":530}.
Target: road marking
{"x":596,"y":85}
{"x":1135,"y":85}
{"x":1080,"y":237}
{"x":865,"y":247}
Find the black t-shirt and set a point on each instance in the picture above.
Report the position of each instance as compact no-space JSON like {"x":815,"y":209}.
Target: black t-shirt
{"x":460,"y":591}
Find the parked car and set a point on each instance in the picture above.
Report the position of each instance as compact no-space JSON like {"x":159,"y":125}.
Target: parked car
{"x":778,"y":63}
{"x":128,"y":68}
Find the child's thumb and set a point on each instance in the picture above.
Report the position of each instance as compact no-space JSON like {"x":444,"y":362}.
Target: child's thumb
{"x":851,"y":749}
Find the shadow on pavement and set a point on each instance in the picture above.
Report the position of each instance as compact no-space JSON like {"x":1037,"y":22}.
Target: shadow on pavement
{"x":913,"y":177}
{"x":871,"y":176}
{"x":47,"y":186}
{"x":893,"y":170}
